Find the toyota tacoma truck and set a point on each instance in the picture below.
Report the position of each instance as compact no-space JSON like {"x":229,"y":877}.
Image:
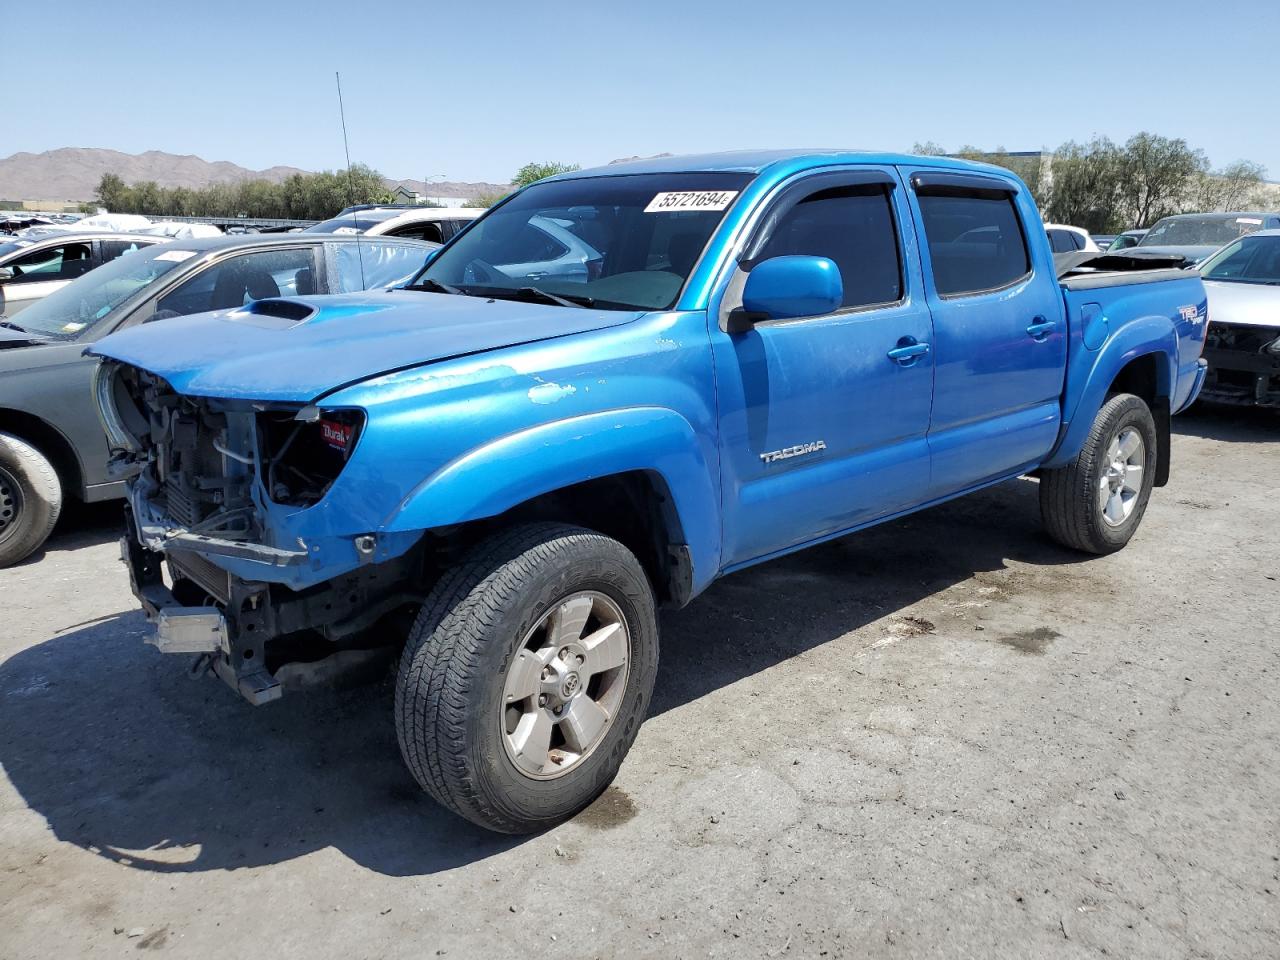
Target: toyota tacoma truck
{"x":613,"y":388}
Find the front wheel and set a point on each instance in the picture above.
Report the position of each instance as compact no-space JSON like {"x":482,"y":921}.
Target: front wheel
{"x":30,"y":499}
{"x":1096,"y":502}
{"x":527,"y":675}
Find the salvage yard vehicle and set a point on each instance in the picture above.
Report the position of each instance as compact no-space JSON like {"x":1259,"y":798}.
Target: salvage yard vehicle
{"x":51,"y":442}
{"x":31,"y":269}
{"x":1242,"y":346}
{"x":774,"y":349}
{"x":1124,"y":241}
{"x":1196,"y":235}
{"x":417,"y":222}
{"x":1067,"y":239}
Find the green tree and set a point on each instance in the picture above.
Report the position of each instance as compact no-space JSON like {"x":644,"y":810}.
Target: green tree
{"x":110,"y":193}
{"x":311,"y":196}
{"x":1087,"y":186}
{"x":1235,"y":187}
{"x":485,"y":200}
{"x":1157,"y":174}
{"x":532,"y":172}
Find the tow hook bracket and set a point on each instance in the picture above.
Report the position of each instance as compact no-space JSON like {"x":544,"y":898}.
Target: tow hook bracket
{"x":189,"y":630}
{"x":258,"y":687}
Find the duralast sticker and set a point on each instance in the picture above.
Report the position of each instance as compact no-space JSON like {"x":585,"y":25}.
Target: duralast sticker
{"x":699,"y":200}
{"x":1253,"y":220}
{"x":176,"y":256}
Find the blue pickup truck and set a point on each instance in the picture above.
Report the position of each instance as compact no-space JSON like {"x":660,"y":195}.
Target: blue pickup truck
{"x":615,"y":387}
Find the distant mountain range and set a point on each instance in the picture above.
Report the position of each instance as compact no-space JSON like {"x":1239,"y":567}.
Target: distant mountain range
{"x":72,"y":174}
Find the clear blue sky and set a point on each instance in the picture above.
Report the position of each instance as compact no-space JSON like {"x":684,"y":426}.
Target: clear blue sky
{"x":473,"y":90}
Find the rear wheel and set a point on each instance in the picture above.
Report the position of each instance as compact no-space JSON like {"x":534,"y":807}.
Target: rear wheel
{"x":1096,"y":502}
{"x":30,"y":499}
{"x":527,"y":675}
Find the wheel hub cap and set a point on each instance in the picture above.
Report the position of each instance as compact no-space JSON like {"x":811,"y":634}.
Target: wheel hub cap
{"x":10,"y":502}
{"x":1121,"y":480}
{"x":564,"y":685}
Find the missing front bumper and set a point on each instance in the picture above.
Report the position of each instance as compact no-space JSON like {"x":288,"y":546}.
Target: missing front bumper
{"x":203,"y":631}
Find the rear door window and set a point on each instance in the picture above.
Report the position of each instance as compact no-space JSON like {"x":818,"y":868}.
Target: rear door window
{"x":114,"y":248}
{"x":975,"y":238}
{"x":374,"y":265}
{"x":418,"y":231}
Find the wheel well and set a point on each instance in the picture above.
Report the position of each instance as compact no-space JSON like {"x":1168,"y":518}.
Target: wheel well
{"x":50,"y":442}
{"x":1141,"y":377}
{"x":634,"y":508}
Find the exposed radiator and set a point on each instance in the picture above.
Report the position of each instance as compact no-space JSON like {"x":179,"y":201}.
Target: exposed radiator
{"x":185,"y":565}
{"x":181,"y":507}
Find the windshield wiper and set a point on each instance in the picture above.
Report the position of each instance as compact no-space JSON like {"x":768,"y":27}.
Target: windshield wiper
{"x":10,"y":325}
{"x":428,"y":284}
{"x":537,"y":294}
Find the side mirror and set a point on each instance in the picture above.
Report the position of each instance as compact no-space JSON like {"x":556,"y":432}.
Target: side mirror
{"x":783,"y":288}
{"x":6,"y":273}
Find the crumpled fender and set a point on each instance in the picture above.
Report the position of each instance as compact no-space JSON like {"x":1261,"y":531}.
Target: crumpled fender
{"x":1137,"y":338}
{"x":507,"y":471}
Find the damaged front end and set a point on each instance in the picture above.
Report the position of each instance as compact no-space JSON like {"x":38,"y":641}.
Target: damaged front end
{"x":219,"y":546}
{"x":1244,"y":365}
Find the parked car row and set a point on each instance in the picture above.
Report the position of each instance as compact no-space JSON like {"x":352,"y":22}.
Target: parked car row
{"x":51,"y":441}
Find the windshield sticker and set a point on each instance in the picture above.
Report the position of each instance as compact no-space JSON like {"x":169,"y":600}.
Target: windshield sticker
{"x":176,"y":256}
{"x":73,"y":327}
{"x":700,"y":200}
{"x":1252,"y":220}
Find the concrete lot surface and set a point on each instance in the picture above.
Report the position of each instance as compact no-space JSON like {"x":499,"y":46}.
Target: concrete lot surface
{"x":943,"y":737}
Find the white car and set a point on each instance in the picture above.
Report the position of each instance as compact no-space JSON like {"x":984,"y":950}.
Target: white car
{"x":433,"y":224}
{"x":1067,"y":239}
{"x":33,"y":267}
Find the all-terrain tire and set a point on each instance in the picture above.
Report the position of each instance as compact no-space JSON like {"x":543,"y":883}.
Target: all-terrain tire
{"x":30,"y":499}
{"x":1070,"y":504}
{"x":449,"y":690}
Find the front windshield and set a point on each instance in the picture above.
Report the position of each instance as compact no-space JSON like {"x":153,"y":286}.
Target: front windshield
{"x":1248,"y":260}
{"x":69,"y":313}
{"x":353,"y":222}
{"x":1123,"y":242}
{"x":1209,"y":231}
{"x":623,"y":242}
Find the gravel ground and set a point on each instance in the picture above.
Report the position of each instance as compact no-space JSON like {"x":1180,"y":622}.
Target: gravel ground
{"x":944,"y":737}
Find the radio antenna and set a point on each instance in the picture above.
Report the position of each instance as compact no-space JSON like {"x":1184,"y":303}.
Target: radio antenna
{"x":351,"y":180}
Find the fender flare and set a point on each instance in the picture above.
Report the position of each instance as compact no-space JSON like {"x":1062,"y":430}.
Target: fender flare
{"x":508,"y":471}
{"x":1146,"y":336}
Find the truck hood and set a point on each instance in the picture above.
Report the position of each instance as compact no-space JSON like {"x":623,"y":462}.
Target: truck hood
{"x":301,"y":348}
{"x":1252,"y":304}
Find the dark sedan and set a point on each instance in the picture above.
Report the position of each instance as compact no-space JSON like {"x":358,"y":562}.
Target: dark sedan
{"x":51,"y":443}
{"x":1194,"y":236}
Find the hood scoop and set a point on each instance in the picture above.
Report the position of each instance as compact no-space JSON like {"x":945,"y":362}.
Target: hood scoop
{"x":273,"y":313}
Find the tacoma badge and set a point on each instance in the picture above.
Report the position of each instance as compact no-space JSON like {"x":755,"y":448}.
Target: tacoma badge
{"x":786,"y":453}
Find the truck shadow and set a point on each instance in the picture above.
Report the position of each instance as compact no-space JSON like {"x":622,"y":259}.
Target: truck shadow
{"x":129,"y":759}
{"x":755,"y":619}
{"x":1229,"y":424}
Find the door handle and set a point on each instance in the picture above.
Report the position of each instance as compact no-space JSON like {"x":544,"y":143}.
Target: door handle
{"x":908,"y":351}
{"x":1041,"y":328}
